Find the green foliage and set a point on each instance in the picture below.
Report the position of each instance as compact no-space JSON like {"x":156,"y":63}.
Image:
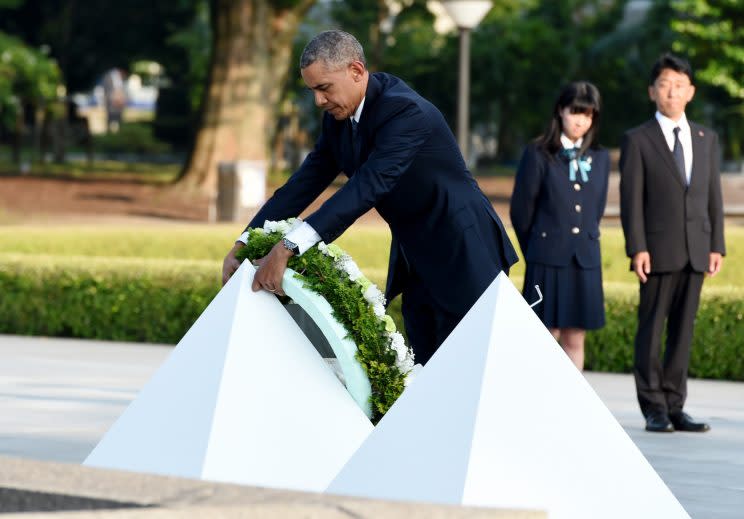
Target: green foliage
{"x":10,"y":4}
{"x":196,"y":41}
{"x":26,"y":76}
{"x":103,"y":298}
{"x":711,"y":32}
{"x":131,"y":138}
{"x":158,"y":300}
{"x":717,"y":346}
{"x":611,"y":347}
{"x":150,"y":284}
{"x":140,"y":172}
{"x":319,"y":274}
{"x":370,"y":245}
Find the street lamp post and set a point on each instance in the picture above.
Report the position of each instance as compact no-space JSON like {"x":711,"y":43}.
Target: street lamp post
{"x":466,"y":14}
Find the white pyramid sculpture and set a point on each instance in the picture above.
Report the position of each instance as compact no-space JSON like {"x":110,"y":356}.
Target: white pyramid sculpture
{"x":243,"y":398}
{"x":499,"y":417}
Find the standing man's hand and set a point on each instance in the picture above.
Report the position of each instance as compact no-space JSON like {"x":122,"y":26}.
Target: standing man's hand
{"x":642,"y":265}
{"x":230,"y":264}
{"x":715,"y":262}
{"x":271,"y":270}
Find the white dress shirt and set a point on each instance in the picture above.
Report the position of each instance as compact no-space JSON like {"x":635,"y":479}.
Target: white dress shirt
{"x":305,"y":236}
{"x":568,"y":144}
{"x":685,"y":138}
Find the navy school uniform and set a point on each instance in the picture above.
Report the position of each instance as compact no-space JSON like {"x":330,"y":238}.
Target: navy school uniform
{"x":556,"y":221}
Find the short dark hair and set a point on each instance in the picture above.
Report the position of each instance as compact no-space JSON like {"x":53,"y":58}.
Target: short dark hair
{"x":670,"y":61}
{"x":579,"y":97}
{"x":335,"y":49}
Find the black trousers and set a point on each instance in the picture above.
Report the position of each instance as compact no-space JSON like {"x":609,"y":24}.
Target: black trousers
{"x":671,"y":298}
{"x":427,"y":324}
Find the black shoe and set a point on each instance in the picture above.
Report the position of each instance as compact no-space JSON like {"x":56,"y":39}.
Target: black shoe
{"x":684,"y":422}
{"x":658,"y":422}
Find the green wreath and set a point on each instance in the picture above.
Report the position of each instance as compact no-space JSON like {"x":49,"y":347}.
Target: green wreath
{"x":357,"y":305}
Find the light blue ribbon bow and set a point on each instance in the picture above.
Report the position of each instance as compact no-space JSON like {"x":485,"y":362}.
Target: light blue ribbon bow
{"x":583,"y":164}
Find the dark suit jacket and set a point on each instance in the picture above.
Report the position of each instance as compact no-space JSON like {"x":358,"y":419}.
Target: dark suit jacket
{"x":411,"y":170}
{"x":675,"y":223}
{"x":556,"y":219}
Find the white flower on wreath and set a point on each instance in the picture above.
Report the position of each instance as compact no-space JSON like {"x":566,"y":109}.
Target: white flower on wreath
{"x":398,"y":344}
{"x":348,"y":265}
{"x":376,"y":299}
{"x":404,"y":356}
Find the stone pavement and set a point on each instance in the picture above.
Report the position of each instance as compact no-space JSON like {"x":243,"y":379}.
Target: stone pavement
{"x":59,"y":396}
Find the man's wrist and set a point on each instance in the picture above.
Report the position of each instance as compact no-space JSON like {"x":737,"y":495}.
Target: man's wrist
{"x":290,"y":246}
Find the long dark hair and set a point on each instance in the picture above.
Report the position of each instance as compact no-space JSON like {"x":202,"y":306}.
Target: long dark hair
{"x":580,"y":97}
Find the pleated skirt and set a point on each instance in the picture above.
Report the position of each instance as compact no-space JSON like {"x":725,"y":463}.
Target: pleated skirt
{"x":572,"y":296}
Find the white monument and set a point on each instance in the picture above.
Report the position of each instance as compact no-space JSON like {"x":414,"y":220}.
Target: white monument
{"x":244,"y":398}
{"x":499,"y":417}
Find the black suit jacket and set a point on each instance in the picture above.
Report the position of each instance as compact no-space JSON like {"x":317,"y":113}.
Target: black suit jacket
{"x":556,"y":219}
{"x":410,"y":169}
{"x":675,"y":223}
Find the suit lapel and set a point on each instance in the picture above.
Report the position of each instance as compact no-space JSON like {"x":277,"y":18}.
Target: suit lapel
{"x":699,"y":156}
{"x":656,"y":136}
{"x":375,"y":87}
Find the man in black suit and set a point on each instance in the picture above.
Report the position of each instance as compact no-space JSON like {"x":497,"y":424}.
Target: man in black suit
{"x":401,"y":159}
{"x":672,"y":216}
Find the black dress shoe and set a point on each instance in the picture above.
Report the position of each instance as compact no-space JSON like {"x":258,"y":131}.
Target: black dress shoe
{"x":684,"y":422}
{"x":658,"y":422}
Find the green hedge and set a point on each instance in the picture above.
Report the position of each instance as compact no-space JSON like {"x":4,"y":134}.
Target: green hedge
{"x":104,"y":298}
{"x":158,"y":300}
{"x":718,"y":343}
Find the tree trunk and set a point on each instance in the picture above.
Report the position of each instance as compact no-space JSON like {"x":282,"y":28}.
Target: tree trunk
{"x":251,"y":49}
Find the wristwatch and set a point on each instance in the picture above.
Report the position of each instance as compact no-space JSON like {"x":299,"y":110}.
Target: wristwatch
{"x":291,"y":246}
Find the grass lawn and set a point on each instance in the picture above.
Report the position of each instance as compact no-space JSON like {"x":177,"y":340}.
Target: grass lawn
{"x":368,"y":245}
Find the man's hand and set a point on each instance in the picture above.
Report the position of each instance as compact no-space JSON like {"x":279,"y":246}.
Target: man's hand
{"x":230,"y":264}
{"x":271,"y":270}
{"x":642,"y":265}
{"x":715,"y":262}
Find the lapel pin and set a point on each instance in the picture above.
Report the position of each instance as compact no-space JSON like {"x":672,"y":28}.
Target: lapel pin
{"x":701,"y":133}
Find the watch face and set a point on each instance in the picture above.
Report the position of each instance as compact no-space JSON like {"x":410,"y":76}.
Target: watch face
{"x":290,"y":245}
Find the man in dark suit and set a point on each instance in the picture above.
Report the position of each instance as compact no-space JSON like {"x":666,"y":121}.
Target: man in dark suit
{"x":401,"y":159}
{"x":672,"y":216}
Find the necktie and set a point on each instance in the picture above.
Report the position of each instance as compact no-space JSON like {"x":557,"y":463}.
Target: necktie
{"x":679,"y":156}
{"x":355,"y":141}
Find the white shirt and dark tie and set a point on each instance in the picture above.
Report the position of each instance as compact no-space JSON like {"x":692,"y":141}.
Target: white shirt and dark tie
{"x":674,"y":132}
{"x":305,"y":236}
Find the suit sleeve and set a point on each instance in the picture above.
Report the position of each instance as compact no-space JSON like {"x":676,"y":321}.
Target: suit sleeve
{"x":605,"y":165}
{"x":715,"y":201}
{"x":527,"y":183}
{"x":314,"y":175}
{"x":631,"y":196}
{"x":403,"y":129}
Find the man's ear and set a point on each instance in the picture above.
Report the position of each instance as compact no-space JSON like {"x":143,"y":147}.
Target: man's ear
{"x":691,"y":93}
{"x":357,"y":69}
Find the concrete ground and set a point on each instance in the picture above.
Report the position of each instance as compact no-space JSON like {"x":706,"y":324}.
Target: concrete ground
{"x":59,"y":396}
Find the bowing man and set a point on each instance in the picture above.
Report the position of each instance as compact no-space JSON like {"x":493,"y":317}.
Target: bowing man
{"x":402,"y":159}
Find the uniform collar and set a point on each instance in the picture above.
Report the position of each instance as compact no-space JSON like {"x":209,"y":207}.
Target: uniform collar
{"x":568,"y":144}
